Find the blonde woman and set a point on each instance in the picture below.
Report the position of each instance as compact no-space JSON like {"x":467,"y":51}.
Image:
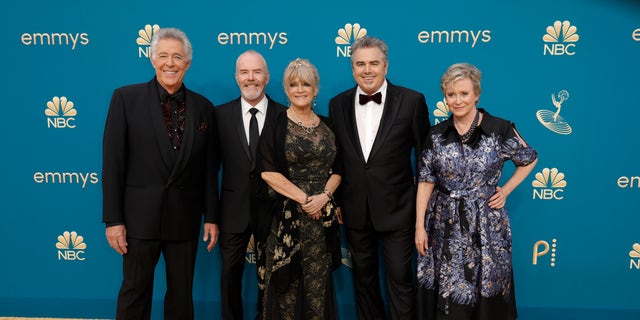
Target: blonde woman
{"x":298,"y":161}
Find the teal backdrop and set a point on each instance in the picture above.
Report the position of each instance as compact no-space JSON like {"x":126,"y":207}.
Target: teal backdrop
{"x":565,"y":71}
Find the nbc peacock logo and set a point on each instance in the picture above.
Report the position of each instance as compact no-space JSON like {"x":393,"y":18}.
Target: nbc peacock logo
{"x":144,"y":40}
{"x":552,"y":119}
{"x":549,"y":184}
{"x":346,"y":257}
{"x":71,"y":246}
{"x":251,"y":251}
{"x":441,"y":111}
{"x":346,"y":36}
{"x":634,"y":254}
{"x":60,"y":113}
{"x":560,"y":39}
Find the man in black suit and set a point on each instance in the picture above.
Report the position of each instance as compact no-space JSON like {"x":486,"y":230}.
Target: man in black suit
{"x":378,"y":126}
{"x":239,"y":183}
{"x":158,"y":179}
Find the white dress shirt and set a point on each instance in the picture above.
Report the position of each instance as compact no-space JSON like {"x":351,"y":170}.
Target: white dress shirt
{"x":260,"y":115}
{"x":368,"y":119}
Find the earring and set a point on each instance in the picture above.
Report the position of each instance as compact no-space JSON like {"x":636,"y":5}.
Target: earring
{"x":315,"y":101}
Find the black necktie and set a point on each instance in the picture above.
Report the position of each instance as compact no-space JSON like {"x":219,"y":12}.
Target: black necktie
{"x":253,"y":133}
{"x":377,"y":98}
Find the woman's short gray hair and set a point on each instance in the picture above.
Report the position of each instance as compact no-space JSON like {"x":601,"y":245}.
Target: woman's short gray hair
{"x":460,"y":71}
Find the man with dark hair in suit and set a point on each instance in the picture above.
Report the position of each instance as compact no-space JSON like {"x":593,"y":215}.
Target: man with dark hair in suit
{"x":378,"y":126}
{"x":158,"y":179}
{"x":240,"y":123}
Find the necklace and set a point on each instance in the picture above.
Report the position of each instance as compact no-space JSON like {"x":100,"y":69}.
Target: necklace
{"x":311,"y":126}
{"x":465,"y":137}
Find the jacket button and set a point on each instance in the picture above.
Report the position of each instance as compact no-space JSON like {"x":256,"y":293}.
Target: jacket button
{"x":366,"y":167}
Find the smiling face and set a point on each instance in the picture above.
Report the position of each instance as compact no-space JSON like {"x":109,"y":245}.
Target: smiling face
{"x":301,"y":83}
{"x":301,"y":93}
{"x":252,"y":76}
{"x":171,"y":64}
{"x":369,"y":68}
{"x":461,"y":98}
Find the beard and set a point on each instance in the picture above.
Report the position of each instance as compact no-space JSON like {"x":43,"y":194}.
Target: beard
{"x":251,"y":93}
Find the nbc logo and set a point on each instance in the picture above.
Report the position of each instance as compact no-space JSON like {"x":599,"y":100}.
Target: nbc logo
{"x":552,"y":119}
{"x":542,"y":248}
{"x":346,"y":258}
{"x":560,"y":39}
{"x":251,"y":251}
{"x":549,"y":184}
{"x":144,"y":40}
{"x":60,"y":113}
{"x":441,"y":112}
{"x":346,"y":36}
{"x":71,"y":246}
{"x":634,"y":254}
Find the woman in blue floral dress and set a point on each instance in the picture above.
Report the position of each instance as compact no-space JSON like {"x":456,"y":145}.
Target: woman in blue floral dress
{"x":463,"y":232}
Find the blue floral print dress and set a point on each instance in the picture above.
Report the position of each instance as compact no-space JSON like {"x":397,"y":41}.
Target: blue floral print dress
{"x":467,"y":271}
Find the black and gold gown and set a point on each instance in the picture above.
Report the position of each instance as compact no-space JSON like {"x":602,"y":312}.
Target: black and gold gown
{"x":297,"y":274}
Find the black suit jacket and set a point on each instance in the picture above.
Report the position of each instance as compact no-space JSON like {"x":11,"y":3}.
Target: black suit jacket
{"x":238,"y":178}
{"x":156,"y":192}
{"x":385,"y":183}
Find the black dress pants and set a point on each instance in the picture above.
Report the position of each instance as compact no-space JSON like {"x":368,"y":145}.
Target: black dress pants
{"x":139,"y":263}
{"x":398,"y":253}
{"x":233,"y":250}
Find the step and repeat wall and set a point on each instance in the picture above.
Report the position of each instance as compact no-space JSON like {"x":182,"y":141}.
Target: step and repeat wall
{"x":566,"y":72}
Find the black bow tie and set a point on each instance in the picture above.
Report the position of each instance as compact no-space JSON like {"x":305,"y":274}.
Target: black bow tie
{"x":377,"y":98}
{"x":178,"y":96}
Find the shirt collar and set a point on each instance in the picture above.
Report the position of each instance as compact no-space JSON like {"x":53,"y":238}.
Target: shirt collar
{"x":482,"y":126}
{"x":261,"y":106}
{"x":162,"y":92}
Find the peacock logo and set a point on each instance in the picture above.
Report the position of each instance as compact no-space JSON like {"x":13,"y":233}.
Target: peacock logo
{"x":251,"y":251}
{"x":346,"y":36}
{"x":60,"y":113}
{"x":549,"y":184}
{"x":560,"y":39}
{"x":634,"y":254}
{"x":144,"y":40}
{"x":441,"y":112}
{"x":71,"y":246}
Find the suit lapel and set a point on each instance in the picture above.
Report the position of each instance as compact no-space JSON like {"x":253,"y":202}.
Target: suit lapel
{"x":158,"y":126}
{"x":350,"y":121}
{"x":239,"y":121}
{"x":389,"y":114}
{"x":270,"y":118}
{"x":272,"y":112}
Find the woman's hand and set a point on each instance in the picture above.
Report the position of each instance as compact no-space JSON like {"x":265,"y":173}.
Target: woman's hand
{"x":498,"y":199}
{"x":314,"y":205}
{"x":422,"y":241}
